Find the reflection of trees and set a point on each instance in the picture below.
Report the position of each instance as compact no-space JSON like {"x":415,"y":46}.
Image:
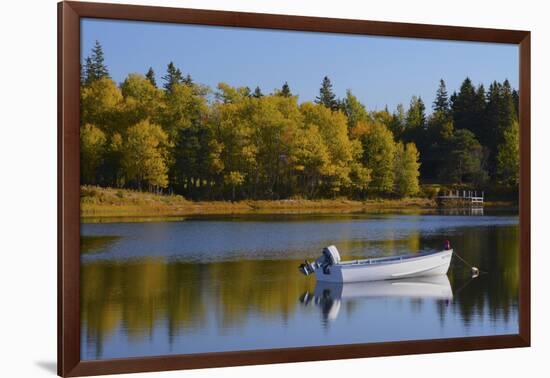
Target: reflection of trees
{"x":496,"y":251}
{"x":136,"y":295}
{"x":269,"y":287}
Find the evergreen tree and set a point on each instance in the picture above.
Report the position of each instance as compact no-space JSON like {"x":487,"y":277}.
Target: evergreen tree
{"x":508,"y":110}
{"x":415,"y":123}
{"x":436,"y":142}
{"x":326,"y":95}
{"x":439,"y":129}
{"x":468,"y":107}
{"x":173,"y":76}
{"x":500,"y":116}
{"x":98,"y":68}
{"x":150,"y":75}
{"x":85,"y":71}
{"x":416,"y":115}
{"x":515,"y":96}
{"x":398,"y":122}
{"x":246,"y":92}
{"x":285,"y":90}
{"x":464,"y":160}
{"x":257,"y":93}
{"x":94,"y":66}
{"x":441,"y":102}
{"x":187,"y":80}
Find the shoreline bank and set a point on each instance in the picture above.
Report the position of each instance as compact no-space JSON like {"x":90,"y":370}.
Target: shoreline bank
{"x":105,"y":203}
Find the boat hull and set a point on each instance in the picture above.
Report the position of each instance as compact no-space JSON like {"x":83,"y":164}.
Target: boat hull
{"x":377,"y":270}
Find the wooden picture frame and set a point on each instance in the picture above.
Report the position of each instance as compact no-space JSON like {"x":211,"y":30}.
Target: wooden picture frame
{"x":69,"y":15}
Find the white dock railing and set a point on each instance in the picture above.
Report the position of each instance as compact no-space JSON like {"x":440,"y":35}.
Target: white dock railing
{"x":473,"y":197}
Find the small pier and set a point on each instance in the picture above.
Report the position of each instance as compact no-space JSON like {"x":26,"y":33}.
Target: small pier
{"x":470,"y":198}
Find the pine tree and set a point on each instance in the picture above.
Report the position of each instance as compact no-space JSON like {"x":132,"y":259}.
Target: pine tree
{"x":500,"y":116}
{"x":515,"y":96}
{"x":285,"y":90}
{"x":398,"y":122}
{"x":416,"y":115}
{"x":326,"y":95}
{"x":98,"y":69}
{"x":441,"y":102}
{"x":85,"y":71}
{"x":246,"y":91}
{"x":463,"y":105}
{"x":94,"y":66}
{"x":188,"y":80}
{"x":416,"y":125}
{"x":173,"y":76}
{"x":150,"y":75}
{"x":257,"y":93}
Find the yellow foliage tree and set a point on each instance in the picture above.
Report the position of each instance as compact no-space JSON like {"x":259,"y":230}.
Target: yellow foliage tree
{"x":144,"y":155}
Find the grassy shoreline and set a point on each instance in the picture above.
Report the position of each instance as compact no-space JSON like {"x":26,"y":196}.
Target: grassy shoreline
{"x":101,"y":203}
{"x":109,"y":202}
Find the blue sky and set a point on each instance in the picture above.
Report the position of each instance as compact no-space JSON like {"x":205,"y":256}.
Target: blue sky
{"x":380,"y":71}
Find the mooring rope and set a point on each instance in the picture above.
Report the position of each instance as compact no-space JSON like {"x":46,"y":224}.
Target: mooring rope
{"x":464,"y":261}
{"x":468,"y":264}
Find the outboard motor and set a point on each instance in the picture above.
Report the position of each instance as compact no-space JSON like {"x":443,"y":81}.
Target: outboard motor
{"x":330,"y":256}
{"x":307,"y":268}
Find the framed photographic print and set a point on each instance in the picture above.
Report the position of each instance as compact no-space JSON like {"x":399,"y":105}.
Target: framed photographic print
{"x":239,"y":188}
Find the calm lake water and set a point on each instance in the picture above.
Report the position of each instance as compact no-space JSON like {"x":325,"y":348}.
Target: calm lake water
{"x":212,"y":284}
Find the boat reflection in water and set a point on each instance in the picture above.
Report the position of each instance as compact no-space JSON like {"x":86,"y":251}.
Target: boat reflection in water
{"x":330,"y":296}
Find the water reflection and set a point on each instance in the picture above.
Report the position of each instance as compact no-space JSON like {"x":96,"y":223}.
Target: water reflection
{"x":329,"y":296}
{"x":175,"y":296}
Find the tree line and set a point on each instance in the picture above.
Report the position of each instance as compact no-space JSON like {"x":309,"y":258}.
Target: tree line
{"x":236,"y":143}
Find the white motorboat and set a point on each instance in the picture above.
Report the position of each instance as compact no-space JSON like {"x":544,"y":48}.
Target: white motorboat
{"x":330,"y":268}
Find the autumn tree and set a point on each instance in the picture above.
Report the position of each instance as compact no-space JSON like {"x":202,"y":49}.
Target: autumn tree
{"x":378,"y":154}
{"x":406,"y":170}
{"x":144,"y":155}
{"x":142,"y":100}
{"x":334,"y":130}
{"x":354,"y":110}
{"x":101,"y":104}
{"x":92,"y":151}
{"x":183,"y":107}
{"x":310,"y":160}
{"x":508,"y":156}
